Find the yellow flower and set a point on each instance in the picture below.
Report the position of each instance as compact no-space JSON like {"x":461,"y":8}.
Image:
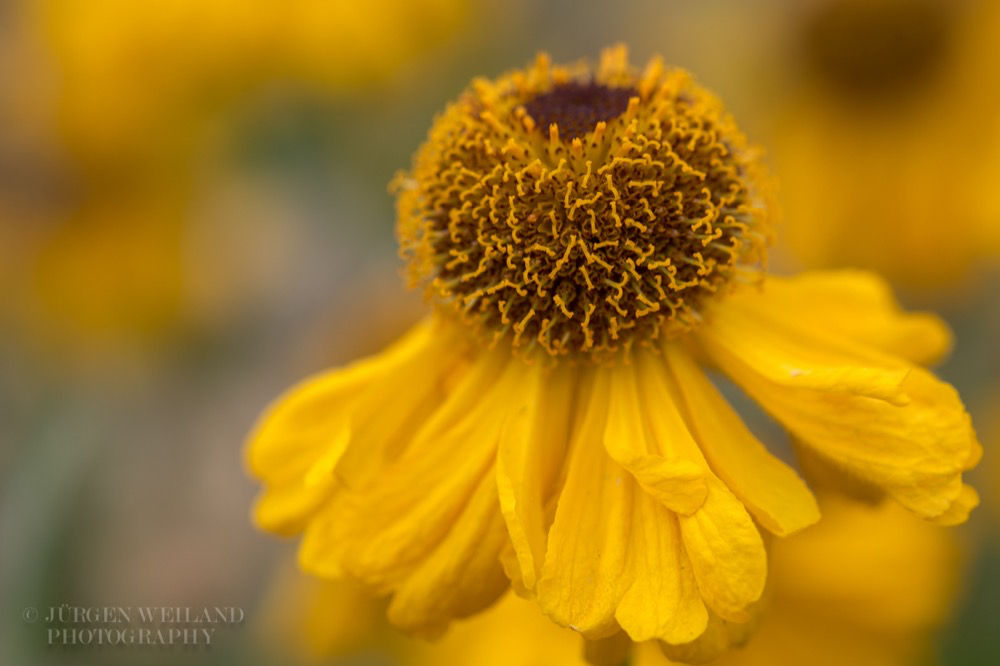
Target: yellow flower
{"x":892,"y":135}
{"x":137,"y":96}
{"x":848,"y":590}
{"x":308,"y":621}
{"x":134,"y":75}
{"x":589,"y":239}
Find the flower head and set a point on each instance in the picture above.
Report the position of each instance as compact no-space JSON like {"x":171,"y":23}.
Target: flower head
{"x":580,"y":210}
{"x":624,"y":495}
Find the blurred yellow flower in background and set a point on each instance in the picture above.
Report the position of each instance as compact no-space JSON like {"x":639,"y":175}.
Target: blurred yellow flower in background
{"x":590,"y":237}
{"x":135,"y":76}
{"x":889,"y":149}
{"x":112,"y":269}
{"x":128,"y":105}
{"x":311,"y":622}
{"x":867,"y":586}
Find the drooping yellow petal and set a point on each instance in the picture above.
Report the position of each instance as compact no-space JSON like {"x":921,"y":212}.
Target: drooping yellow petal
{"x":432,"y":518}
{"x":584,"y":573}
{"x":887,"y":421}
{"x":664,"y":601}
{"x":532,"y":447}
{"x":301,"y":438}
{"x":512,"y":568}
{"x":668,"y":465}
{"x":679,"y":485}
{"x":719,"y":638}
{"x":615,"y":557}
{"x":382,"y":530}
{"x":289,"y":500}
{"x":860,"y":306}
{"x":726,"y":552}
{"x":725,"y":549}
{"x":299,"y":419}
{"x":866,"y":586}
{"x":769,"y":488}
{"x":795,"y":355}
{"x":462,"y":576}
{"x":435,"y":389}
{"x":381,"y":534}
{"x":958,"y":512}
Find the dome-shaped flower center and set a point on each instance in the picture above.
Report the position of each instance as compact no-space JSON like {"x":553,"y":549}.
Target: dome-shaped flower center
{"x":581,"y":211}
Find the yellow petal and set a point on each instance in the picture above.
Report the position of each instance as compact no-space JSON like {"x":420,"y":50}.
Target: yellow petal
{"x":663,"y":601}
{"x":584,"y":574}
{"x":958,"y":512}
{"x":719,"y":638}
{"x":725,"y":550}
{"x":769,"y":489}
{"x":400,"y":403}
{"x":860,"y":306}
{"x":679,"y":485}
{"x":302,"y":415}
{"x":296,"y":429}
{"x":287,"y":503}
{"x":462,"y":576}
{"x":668,"y":464}
{"x":380,"y":532}
{"x":727,"y":554}
{"x":301,"y":438}
{"x":299,"y":421}
{"x":532,"y":447}
{"x":792,"y":353}
{"x":907,"y":432}
{"x":614,"y":554}
{"x":512,"y":568}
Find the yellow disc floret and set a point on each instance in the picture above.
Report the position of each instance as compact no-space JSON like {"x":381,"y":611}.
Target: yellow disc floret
{"x":581,"y":210}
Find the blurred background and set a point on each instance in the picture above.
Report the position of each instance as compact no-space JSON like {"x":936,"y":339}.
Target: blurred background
{"x":194,"y":215}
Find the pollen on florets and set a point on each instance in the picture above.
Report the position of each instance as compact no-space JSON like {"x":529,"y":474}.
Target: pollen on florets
{"x":580,"y":210}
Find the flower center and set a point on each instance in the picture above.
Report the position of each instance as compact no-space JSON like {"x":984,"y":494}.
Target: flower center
{"x":579,"y":215}
{"x":576,"y":108}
